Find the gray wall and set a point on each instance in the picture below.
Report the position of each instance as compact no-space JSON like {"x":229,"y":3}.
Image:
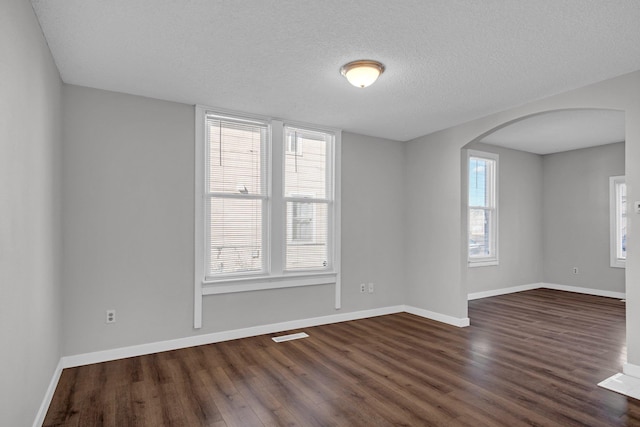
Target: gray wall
{"x":128,"y":227}
{"x":519,"y":222}
{"x":576,"y":217}
{"x":29,"y":215}
{"x":433,"y":237}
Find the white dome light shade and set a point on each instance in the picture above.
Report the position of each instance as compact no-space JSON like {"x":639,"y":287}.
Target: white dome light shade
{"x":362,"y":73}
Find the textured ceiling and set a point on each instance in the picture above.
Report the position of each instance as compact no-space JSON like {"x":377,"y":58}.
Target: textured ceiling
{"x":561,"y":131}
{"x":448,"y":61}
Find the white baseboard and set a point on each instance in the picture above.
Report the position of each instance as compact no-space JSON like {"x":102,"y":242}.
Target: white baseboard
{"x":450,"y":320}
{"x":156,"y":347}
{"x":588,"y":291}
{"x":554,"y":286}
{"x":44,"y":406}
{"x":631,"y":370}
{"x":503,"y":291}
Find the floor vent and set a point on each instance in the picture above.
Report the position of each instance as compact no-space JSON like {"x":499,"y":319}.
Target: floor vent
{"x":290,"y":337}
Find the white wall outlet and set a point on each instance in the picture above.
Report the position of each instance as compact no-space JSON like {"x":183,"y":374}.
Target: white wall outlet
{"x":362,"y":288}
{"x":575,"y":270}
{"x":370,"y":288}
{"x":110,"y":316}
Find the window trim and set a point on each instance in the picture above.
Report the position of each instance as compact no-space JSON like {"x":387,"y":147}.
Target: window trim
{"x":614,"y":261}
{"x":490,"y":260}
{"x":274,"y":277}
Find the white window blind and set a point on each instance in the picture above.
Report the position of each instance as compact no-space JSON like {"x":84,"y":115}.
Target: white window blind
{"x":308,"y":199}
{"x":482,"y":207}
{"x":236,"y":196}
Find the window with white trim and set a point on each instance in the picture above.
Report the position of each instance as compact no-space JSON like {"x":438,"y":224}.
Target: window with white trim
{"x":618,"y":221}
{"x":483,"y":208}
{"x":306,"y":190}
{"x":266,"y":215}
{"x":236,"y":196}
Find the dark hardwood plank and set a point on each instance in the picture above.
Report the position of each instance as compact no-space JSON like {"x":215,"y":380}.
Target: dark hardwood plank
{"x":531,"y":358}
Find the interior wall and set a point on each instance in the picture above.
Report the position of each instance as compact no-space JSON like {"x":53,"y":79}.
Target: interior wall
{"x":128,"y":226}
{"x":30,"y":162}
{"x":520,"y":199}
{"x":576,"y":217}
{"x":433,"y":238}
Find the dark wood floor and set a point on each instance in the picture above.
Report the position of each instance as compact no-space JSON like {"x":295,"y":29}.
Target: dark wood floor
{"x":531,"y":358}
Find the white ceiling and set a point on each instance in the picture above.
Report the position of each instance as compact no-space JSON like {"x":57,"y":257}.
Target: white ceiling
{"x":448,"y":61}
{"x":557,"y":131}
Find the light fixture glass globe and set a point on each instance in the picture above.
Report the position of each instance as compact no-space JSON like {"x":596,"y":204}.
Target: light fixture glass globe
{"x":362,"y":73}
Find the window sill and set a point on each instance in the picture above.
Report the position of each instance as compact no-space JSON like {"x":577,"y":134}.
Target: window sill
{"x":483,"y":263}
{"x":229,"y":286}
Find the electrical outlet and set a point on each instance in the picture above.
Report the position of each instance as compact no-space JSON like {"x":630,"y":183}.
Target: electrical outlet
{"x":370,"y":288}
{"x":575,"y":270}
{"x":110,"y":316}
{"x":362,"y":288}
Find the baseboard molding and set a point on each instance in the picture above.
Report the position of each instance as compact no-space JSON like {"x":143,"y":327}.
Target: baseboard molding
{"x":588,"y":291}
{"x":432,"y":315}
{"x":631,"y":370}
{"x":46,"y":401}
{"x":554,"y":286}
{"x":503,"y":291}
{"x":156,"y":347}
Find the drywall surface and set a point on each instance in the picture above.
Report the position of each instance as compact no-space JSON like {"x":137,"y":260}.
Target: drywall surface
{"x":128,"y":215}
{"x":30,"y":140}
{"x":372,"y":233}
{"x":436,"y":259}
{"x":576,"y":217}
{"x":520,"y":198}
{"x":432,"y":228}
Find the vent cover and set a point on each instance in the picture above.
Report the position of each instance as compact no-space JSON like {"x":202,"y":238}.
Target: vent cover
{"x":290,"y":337}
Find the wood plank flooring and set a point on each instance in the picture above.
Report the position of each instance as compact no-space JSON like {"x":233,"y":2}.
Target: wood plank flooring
{"x":531,"y":358}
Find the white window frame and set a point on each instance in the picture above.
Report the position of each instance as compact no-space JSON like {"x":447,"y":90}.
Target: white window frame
{"x":615,"y":215}
{"x":275,"y":275}
{"x":491,"y":260}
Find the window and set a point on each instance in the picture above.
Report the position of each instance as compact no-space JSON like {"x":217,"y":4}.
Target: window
{"x":266,"y":216}
{"x":309,"y":216}
{"x":235,"y":196}
{"x":618,"y":220}
{"x":483,"y":211}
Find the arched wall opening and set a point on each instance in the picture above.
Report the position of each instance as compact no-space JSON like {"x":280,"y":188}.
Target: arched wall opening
{"x":549,"y":223}
{"x":435,"y":275}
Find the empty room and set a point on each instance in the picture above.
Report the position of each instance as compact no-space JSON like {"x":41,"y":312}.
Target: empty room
{"x":320,"y":213}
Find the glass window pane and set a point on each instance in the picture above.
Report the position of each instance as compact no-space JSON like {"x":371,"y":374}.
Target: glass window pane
{"x":479,"y":233}
{"x":305,"y":158}
{"x":235,"y":235}
{"x":306,"y":239}
{"x":622,"y":220}
{"x":478,"y":182}
{"x":236,"y":163}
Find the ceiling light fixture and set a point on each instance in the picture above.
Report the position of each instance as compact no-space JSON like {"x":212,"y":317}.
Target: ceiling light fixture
{"x":362,"y":73}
